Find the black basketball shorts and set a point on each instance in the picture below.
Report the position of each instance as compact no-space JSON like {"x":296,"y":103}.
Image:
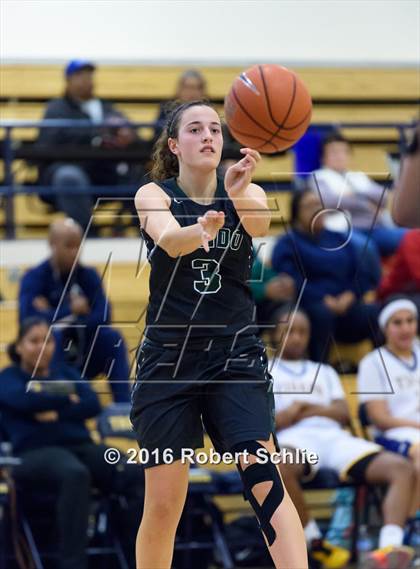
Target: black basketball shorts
{"x":226,"y":388}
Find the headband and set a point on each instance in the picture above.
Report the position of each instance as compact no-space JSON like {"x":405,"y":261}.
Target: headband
{"x":390,"y":309}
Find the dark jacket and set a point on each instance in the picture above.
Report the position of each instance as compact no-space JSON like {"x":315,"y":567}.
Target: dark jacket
{"x":19,"y":405}
{"x":321,"y":264}
{"x":43,"y":280}
{"x":102,"y":172}
{"x":68,"y":108}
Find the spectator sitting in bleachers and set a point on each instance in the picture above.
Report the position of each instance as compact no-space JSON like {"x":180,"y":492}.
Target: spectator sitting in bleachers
{"x":307,"y":153}
{"x":403,"y":275}
{"x":389,"y":385}
{"x":355,"y":192}
{"x":330,"y":276}
{"x":80,"y":103}
{"x":311,"y":413}
{"x":70,"y":295}
{"x":191,"y":86}
{"x":43,"y":411}
{"x":270,"y":291}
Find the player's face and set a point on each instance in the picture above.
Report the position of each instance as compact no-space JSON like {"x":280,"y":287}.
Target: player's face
{"x":401,"y":330}
{"x":337,"y":156}
{"x":199,"y":143}
{"x":35,"y":343}
{"x":297,"y":341}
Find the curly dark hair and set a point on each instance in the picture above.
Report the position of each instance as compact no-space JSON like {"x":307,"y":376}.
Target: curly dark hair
{"x":165,"y":163}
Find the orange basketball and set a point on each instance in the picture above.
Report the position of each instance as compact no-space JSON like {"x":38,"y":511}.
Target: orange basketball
{"x":268,"y":108}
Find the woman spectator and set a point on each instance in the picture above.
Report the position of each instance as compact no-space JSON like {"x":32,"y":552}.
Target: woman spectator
{"x":191,"y":86}
{"x":330,"y":276}
{"x":43,"y":413}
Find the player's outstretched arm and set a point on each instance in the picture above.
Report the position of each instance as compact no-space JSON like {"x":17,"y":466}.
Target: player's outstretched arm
{"x":156,"y":219}
{"x":249,"y":199}
{"x":380,"y":416}
{"x":406,"y":202}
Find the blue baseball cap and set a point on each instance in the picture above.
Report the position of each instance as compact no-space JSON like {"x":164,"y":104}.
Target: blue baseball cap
{"x":76,"y":65}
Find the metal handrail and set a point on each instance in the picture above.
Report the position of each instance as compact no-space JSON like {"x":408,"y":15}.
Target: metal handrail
{"x":63,"y":123}
{"x":17,"y":123}
{"x":8,"y":188}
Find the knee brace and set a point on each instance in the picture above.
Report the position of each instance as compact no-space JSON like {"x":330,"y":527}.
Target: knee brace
{"x":255,"y":473}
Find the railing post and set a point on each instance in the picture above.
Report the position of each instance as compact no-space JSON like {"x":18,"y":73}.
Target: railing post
{"x":402,"y":143}
{"x":8,"y":179}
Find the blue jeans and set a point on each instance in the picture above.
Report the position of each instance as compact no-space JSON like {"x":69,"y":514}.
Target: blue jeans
{"x":359,"y":322}
{"x":78,"y":205}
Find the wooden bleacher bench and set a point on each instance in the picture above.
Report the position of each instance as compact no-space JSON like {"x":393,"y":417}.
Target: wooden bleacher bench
{"x":128,"y":82}
{"x":340,"y":95}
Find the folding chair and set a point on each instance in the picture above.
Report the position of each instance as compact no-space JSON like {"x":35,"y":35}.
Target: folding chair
{"x":21,"y":521}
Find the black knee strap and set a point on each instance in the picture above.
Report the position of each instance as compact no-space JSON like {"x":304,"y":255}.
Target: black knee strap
{"x":254,"y":474}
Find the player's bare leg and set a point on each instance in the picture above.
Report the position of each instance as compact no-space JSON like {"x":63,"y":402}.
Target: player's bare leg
{"x":292,"y":474}
{"x":415,"y":458}
{"x":166,"y":491}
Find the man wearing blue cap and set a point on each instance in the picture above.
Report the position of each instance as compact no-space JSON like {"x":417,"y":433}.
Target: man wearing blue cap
{"x":80,"y":103}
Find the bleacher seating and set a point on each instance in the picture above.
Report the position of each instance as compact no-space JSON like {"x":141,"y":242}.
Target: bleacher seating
{"x":351,"y":95}
{"x":155,"y":82}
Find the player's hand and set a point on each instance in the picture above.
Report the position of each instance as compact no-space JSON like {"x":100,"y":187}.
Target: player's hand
{"x":414,"y":451}
{"x":79,"y":305}
{"x":46,"y":416}
{"x":210,"y":224}
{"x":294,"y":410}
{"x":239,"y":176}
{"x":74,"y":398}
{"x":307,"y":410}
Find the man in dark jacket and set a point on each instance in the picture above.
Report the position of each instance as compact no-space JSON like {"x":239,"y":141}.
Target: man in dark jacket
{"x":63,"y":291}
{"x":80,"y":103}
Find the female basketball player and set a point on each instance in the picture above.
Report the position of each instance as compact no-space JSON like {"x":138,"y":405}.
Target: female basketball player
{"x":389,"y":385}
{"x":200,"y":362}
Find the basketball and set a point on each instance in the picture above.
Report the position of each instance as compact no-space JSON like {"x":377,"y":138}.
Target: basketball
{"x":268,"y":108}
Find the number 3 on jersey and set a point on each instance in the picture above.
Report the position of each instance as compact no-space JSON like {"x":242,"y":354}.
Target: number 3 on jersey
{"x":210,"y":277}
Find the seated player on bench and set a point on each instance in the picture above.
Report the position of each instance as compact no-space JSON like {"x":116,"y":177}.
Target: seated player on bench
{"x":311,"y":413}
{"x":389,"y":387}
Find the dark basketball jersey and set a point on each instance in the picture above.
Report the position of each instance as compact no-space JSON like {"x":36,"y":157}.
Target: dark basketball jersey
{"x":200,"y":295}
